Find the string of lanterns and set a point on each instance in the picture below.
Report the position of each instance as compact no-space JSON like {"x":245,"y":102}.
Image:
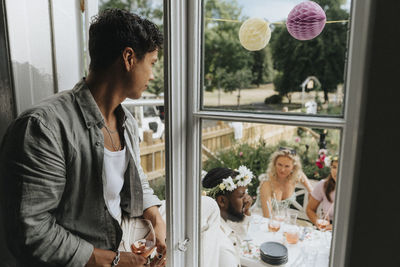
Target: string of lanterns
{"x":304,"y":22}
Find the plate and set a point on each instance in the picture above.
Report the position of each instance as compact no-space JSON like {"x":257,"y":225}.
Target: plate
{"x":273,"y":250}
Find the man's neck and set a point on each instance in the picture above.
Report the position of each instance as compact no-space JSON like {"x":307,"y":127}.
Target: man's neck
{"x":224,"y":215}
{"x":107,"y":93}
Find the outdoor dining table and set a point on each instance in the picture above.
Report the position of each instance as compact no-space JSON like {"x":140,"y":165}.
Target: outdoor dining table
{"x":312,"y":250}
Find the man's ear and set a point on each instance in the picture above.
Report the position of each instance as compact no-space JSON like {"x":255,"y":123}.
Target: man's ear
{"x":129,"y":58}
{"x":222,"y":201}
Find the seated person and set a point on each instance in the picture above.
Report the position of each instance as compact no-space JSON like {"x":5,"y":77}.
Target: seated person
{"x":277,"y":186}
{"x":229,"y":189}
{"x":211,"y":232}
{"x":324,"y":195}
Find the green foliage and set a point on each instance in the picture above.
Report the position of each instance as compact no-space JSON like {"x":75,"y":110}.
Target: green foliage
{"x":230,"y":81}
{"x":224,"y":58}
{"x":157,"y":85}
{"x":323,"y":56}
{"x":307,"y":148}
{"x":274,"y":99}
{"x":158,"y":186}
{"x":253,"y":157}
{"x":256,"y":157}
{"x":149,"y":9}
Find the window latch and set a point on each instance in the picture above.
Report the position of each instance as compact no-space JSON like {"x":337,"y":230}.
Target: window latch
{"x":182,"y":245}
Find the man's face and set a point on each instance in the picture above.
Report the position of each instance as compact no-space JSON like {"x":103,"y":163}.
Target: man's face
{"x":237,"y":203}
{"x":142,"y":74}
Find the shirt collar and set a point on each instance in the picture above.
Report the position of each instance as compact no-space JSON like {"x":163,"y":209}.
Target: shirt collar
{"x":226,"y":228}
{"x":90,"y":110}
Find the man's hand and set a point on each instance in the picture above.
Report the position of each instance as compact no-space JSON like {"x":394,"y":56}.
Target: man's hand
{"x":248,"y":201}
{"x":131,"y":259}
{"x":104,"y":258}
{"x":160,"y":230}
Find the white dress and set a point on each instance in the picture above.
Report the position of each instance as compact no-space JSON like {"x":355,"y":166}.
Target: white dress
{"x":285,"y":203}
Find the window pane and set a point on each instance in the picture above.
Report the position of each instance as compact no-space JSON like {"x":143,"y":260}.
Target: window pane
{"x":293,"y":168}
{"x":284,"y":73}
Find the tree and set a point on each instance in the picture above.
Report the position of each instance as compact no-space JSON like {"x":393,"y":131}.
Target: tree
{"x":258,"y":67}
{"x":147,"y":8}
{"x":224,"y":56}
{"x":157,"y":85}
{"x":323,"y":56}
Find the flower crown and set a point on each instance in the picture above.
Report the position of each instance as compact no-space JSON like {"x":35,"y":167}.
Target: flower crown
{"x":229,"y":184}
{"x":328,"y":160}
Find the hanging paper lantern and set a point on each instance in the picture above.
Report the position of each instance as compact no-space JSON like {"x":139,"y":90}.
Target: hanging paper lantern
{"x":306,"y":21}
{"x":254,"y":34}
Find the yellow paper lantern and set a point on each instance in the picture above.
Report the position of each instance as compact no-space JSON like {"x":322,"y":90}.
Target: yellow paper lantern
{"x":254,"y":34}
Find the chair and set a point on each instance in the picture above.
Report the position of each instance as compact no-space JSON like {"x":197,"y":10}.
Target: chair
{"x":300,"y":190}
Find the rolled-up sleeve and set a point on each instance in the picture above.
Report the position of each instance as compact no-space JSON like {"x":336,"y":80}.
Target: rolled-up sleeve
{"x":149,"y":199}
{"x":36,"y":163}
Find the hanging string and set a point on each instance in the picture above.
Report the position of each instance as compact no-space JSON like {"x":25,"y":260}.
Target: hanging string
{"x":276,"y":23}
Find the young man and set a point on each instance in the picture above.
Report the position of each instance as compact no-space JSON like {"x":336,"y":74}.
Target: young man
{"x":70,"y":166}
{"x":229,"y":189}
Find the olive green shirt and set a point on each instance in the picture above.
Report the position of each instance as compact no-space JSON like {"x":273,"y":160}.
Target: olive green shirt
{"x":51,"y":168}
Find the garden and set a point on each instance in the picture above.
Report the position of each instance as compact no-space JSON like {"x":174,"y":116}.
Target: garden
{"x":311,"y":144}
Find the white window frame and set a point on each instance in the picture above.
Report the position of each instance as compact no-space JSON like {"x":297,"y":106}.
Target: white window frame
{"x":183,"y":24}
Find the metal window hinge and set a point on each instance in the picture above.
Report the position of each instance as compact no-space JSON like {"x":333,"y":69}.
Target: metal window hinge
{"x":182,"y":245}
{"x":82,"y":5}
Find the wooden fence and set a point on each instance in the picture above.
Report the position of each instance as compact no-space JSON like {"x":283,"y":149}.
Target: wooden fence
{"x":218,"y":137}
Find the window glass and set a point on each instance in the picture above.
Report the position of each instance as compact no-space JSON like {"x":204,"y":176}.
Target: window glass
{"x":247,"y":165}
{"x":258,"y":66}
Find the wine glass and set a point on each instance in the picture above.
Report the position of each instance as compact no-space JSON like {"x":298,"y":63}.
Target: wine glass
{"x":280,"y":213}
{"x":322,"y":221}
{"x":274,"y":225}
{"x":142,"y":238}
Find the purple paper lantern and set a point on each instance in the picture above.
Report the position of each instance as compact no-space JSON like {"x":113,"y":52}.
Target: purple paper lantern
{"x":306,"y":21}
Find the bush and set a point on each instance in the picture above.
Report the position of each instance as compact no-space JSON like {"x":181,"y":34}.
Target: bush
{"x":274,"y":99}
{"x":158,"y":185}
{"x":256,"y":157}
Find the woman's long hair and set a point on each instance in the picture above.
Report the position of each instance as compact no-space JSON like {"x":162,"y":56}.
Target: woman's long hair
{"x":330,"y":185}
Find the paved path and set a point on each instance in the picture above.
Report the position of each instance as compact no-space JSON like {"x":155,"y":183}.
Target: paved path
{"x":256,"y":95}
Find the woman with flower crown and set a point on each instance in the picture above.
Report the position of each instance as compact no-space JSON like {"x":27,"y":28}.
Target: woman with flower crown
{"x":277,"y":185}
{"x":323,"y":195}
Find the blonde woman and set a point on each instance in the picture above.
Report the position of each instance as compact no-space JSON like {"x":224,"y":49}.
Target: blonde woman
{"x":277,"y":185}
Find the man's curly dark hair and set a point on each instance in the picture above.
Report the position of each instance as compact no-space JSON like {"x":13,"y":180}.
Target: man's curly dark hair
{"x":113,"y":30}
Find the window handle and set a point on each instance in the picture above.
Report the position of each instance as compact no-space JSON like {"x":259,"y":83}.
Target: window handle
{"x":182,"y":245}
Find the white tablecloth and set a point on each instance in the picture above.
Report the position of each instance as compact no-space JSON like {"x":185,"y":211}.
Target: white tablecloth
{"x":312,"y":251}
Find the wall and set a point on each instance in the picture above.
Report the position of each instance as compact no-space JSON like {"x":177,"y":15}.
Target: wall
{"x":375,"y":232}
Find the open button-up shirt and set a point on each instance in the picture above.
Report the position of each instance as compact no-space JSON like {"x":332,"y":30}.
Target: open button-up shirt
{"x":51,"y":162}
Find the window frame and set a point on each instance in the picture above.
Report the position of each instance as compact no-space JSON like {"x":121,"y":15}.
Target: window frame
{"x":183,"y":23}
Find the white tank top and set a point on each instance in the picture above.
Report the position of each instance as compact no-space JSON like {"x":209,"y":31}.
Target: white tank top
{"x":114,"y":167}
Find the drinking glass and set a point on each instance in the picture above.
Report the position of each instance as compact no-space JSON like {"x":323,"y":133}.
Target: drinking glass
{"x":292,"y":234}
{"x":143,"y":238}
{"x":274,"y":225}
{"x":292,"y":216}
{"x":280,"y":213}
{"x":322,"y":222}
